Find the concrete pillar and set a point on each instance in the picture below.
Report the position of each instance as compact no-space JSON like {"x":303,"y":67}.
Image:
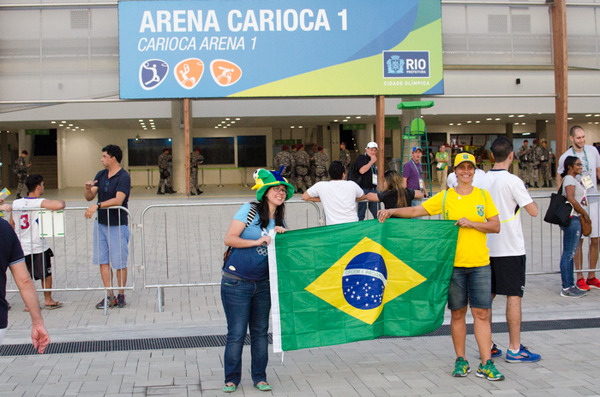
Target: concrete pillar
{"x":5,"y":158}
{"x":178,"y":145}
{"x":333,"y":135}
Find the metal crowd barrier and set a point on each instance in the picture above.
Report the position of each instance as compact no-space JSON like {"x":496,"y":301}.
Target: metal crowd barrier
{"x":182,"y":244}
{"x":70,"y":237}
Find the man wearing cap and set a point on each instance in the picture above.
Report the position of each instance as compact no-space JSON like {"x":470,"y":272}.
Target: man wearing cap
{"x":524,"y":156}
{"x":338,"y":195}
{"x":365,"y":164}
{"x":545,"y":162}
{"x":412,"y":171}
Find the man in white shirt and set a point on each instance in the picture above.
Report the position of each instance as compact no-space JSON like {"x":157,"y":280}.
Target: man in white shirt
{"x":507,"y":248}
{"x":26,"y":224}
{"x":590,"y":161}
{"x":337,"y":195}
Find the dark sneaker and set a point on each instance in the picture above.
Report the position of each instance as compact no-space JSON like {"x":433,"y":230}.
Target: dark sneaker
{"x":523,"y":356}
{"x":489,"y":371}
{"x":495,"y":351}
{"x":572,"y":292}
{"x":461,"y":367}
{"x":120,"y":302}
{"x":111,"y":302}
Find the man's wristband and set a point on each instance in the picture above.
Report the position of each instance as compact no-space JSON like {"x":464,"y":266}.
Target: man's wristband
{"x":98,"y":203}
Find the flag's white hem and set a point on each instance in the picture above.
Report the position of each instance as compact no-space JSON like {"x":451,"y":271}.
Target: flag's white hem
{"x":275,"y":312}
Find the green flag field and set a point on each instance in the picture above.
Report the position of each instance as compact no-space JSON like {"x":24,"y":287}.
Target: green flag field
{"x":357,"y":281}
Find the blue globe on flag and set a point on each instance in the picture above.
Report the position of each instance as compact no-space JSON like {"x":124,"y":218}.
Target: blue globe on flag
{"x":364,"y":280}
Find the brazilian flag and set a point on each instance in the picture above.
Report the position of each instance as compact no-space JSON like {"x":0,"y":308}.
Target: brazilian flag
{"x":356,"y":281}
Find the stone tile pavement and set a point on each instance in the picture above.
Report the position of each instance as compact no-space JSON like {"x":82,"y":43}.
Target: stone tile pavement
{"x":417,"y":366}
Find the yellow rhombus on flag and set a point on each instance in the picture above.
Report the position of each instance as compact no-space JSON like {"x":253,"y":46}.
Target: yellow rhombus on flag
{"x":343,"y":286}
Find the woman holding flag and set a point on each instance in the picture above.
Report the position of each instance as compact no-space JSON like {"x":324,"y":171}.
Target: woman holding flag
{"x":475,"y":213}
{"x":245,"y":291}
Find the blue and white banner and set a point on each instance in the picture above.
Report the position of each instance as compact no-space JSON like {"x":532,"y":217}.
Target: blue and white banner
{"x":271,"y":48}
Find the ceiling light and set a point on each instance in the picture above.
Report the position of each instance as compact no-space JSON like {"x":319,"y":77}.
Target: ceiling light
{"x":516,"y":123}
{"x":64,"y":122}
{"x":299,"y":126}
{"x":569,"y":118}
{"x":358,"y":117}
{"x":83,"y":129}
{"x":597,"y":115}
{"x":233,"y":122}
{"x":469,"y":122}
{"x":237,"y":118}
{"x":458,"y":123}
{"x":523,"y":123}
{"x":151,"y":120}
{"x":477,"y":122}
{"x":596,"y":122}
{"x":511,"y":115}
{"x":451,"y":123}
{"x":53,"y":122}
{"x":335,"y":121}
{"x":292,"y":126}
{"x":227,"y":118}
{"x":521,"y":115}
{"x":588,"y":115}
{"x":140,"y":120}
{"x":489,"y":119}
{"x":497,"y":119}
{"x":61,"y":125}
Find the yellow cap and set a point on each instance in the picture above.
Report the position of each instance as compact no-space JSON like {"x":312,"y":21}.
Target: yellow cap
{"x":462,"y":157}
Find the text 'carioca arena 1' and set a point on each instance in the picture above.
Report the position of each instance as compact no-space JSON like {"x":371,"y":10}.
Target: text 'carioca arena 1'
{"x":265,"y":20}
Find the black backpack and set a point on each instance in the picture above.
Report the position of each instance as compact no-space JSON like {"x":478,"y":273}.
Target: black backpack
{"x":353,"y":174}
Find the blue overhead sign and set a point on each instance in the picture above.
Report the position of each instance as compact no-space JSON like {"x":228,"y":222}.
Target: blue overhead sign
{"x":271,"y":48}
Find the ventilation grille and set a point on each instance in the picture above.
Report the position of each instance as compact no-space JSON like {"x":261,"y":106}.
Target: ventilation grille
{"x":80,"y":19}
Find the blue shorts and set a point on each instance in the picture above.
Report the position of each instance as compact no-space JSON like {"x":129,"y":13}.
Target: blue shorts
{"x":112,"y":243}
{"x":470,"y":285}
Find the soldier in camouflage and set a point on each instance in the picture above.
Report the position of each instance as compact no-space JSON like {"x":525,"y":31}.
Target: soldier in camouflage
{"x":321,"y":160}
{"x":284,"y":158}
{"x":166,"y":179}
{"x":545,"y":163}
{"x":534,"y":175}
{"x":524,"y":156}
{"x":302,"y":168}
{"x":21,"y":171}
{"x":345,"y":156}
{"x":195,"y":160}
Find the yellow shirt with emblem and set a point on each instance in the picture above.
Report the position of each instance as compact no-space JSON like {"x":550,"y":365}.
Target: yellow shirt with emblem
{"x":471,"y":247}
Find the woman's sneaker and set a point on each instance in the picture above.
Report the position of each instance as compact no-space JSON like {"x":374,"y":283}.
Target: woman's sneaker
{"x":593,"y":282}
{"x":489,"y":371}
{"x":112,"y":301}
{"x":495,"y":351}
{"x":582,"y":285}
{"x":572,"y":292}
{"x":461,"y":367}
{"x":523,"y":356}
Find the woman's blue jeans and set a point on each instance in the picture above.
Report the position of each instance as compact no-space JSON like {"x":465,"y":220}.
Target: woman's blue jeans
{"x":571,"y":238}
{"x":247,"y":305}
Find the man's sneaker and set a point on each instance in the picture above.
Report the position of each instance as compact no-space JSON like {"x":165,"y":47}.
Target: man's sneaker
{"x":461,"y":367}
{"x":489,"y":371}
{"x":572,"y":292}
{"x":495,"y":351}
{"x":111,"y":302}
{"x":523,"y":356}
{"x":593,"y":282}
{"x":582,"y":285}
{"x":120,"y":302}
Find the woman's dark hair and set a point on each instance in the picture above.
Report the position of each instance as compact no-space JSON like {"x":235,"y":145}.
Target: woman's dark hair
{"x":263,"y":211}
{"x":569,"y":162}
{"x":393,"y":180}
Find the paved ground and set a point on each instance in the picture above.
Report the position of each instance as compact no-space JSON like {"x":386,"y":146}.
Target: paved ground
{"x":395,"y":367}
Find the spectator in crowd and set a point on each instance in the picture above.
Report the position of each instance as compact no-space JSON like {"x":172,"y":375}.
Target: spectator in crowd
{"x":474,"y":211}
{"x":412,"y":171}
{"x":507,"y":248}
{"x":27,"y":226}
{"x":394,"y":194}
{"x":442,"y":157}
{"x":365,"y":164}
{"x":245,"y":291}
{"x":590,"y":161}
{"x":575,"y":193}
{"x":337,"y":195}
{"x":111,"y":231}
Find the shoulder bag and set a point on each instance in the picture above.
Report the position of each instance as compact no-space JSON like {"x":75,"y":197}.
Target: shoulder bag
{"x":559,"y":210}
{"x":249,"y":220}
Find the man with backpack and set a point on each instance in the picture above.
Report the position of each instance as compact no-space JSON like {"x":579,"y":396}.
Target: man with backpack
{"x":365,"y":172}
